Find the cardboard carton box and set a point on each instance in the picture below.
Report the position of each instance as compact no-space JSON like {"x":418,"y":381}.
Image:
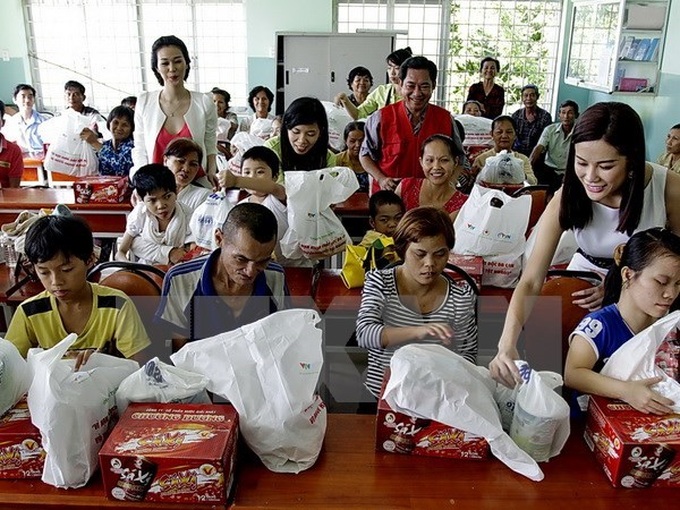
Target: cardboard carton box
{"x":400,"y":433}
{"x":171,"y":453}
{"x":101,"y":189}
{"x":21,"y":452}
{"x":636,"y":450}
{"x":471,"y":264}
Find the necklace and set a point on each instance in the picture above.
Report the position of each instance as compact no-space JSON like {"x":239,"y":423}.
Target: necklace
{"x":180,"y":102}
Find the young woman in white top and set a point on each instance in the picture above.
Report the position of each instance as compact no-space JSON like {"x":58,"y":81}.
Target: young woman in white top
{"x":609,"y":193}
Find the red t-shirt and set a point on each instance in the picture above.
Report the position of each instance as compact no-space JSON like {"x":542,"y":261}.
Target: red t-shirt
{"x":163,"y":140}
{"x":11,"y":162}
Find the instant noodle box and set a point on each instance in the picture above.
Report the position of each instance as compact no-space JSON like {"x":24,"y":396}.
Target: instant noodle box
{"x":636,"y":450}
{"x":471,"y":264}
{"x":21,"y":452}
{"x":101,"y":189}
{"x":400,"y":433}
{"x":171,"y":453}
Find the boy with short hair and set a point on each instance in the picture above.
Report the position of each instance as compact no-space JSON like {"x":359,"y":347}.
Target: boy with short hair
{"x":385,"y":209}
{"x":157,"y":229}
{"x":61,"y":250}
{"x":11,"y":160}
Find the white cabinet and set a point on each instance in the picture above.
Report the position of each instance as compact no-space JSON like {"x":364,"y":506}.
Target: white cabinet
{"x":317,"y":65}
{"x":616,"y":45}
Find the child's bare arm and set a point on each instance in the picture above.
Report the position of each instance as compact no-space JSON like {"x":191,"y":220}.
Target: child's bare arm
{"x":124,"y":248}
{"x":229,"y":180}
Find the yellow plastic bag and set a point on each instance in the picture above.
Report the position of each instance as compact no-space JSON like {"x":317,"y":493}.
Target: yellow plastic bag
{"x":353,"y":273}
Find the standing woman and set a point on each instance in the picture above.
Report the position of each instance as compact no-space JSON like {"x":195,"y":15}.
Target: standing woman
{"x":303,"y":142}
{"x":609,"y":193}
{"x":173,"y":112}
{"x":260,"y":100}
{"x":487,"y":92}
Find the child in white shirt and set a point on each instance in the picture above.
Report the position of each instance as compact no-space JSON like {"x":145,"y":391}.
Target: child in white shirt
{"x":157,"y":230}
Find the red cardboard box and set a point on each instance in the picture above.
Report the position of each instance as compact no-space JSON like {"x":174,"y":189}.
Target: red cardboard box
{"x":471,"y":264}
{"x":171,"y":453}
{"x":21,"y":452}
{"x":400,"y":433}
{"x":101,"y":189}
{"x":636,"y":450}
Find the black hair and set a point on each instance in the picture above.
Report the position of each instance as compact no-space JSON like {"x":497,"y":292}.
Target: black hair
{"x":677,"y":126}
{"x":397,"y":57}
{"x":359,"y":71}
{"x":383,"y":197}
{"x":490,"y":59}
{"x":419,"y":63}
{"x":569,"y":103}
{"x":620,"y":126}
{"x":256,"y":219}
{"x":154,"y":177}
{"x":51,"y":235}
{"x":72,"y":84}
{"x":454,"y":149}
{"x":264,"y":154}
{"x":221,"y":92}
{"x":255,"y":91}
{"x":23,"y":86}
{"x":639,"y":252}
{"x":423,"y":222}
{"x":461,"y":130}
{"x":503,"y":118}
{"x":2,"y":112}
{"x":122,"y":112}
{"x":162,"y":42}
{"x":356,"y":125}
{"x":532,"y":87}
{"x":304,"y":110}
{"x":180,"y":147}
{"x":129,"y":101}
{"x":469,"y":101}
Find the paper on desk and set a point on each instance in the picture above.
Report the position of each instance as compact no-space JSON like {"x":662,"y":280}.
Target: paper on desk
{"x":269,"y":370}
{"x":431,"y":382}
{"x":635,"y":359}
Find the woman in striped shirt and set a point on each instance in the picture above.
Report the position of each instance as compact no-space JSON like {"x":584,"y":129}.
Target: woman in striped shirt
{"x":416,"y":302}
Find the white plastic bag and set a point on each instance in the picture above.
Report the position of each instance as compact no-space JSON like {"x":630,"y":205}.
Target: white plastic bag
{"x":209,"y":216}
{"x":429,"y":381}
{"x":269,"y":371}
{"x":73,"y":410}
{"x":503,"y":168}
{"x":67,"y":153}
{"x":14,"y":376}
{"x":477,"y":130}
{"x":159,"y":382}
{"x":635,"y":359}
{"x":338,"y":118}
{"x":492,"y":225}
{"x":261,"y":128}
{"x":314,"y":230}
{"x":540,"y":424}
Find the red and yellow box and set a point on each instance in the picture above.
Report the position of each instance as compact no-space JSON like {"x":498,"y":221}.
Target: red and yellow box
{"x":101,"y":189}
{"x":400,"y":433}
{"x":171,"y":453}
{"x":471,"y":264}
{"x":21,"y":452}
{"x":636,"y":450}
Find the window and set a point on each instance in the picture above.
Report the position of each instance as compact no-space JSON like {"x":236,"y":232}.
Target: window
{"x":106,"y":45}
{"x":522,"y":34}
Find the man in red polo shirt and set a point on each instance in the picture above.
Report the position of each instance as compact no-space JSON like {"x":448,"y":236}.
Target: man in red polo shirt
{"x":11,"y":160}
{"x":395,"y":133}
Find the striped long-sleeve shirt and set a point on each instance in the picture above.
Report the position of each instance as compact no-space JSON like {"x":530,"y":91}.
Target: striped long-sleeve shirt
{"x":382,"y":307}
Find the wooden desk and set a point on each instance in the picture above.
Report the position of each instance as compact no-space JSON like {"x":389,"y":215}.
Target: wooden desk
{"x":350,"y":474}
{"x":355,"y":206}
{"x":34,"y":173}
{"x":105,"y":220}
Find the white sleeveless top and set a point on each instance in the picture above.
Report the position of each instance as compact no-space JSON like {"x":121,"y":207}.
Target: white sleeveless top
{"x":599,"y":238}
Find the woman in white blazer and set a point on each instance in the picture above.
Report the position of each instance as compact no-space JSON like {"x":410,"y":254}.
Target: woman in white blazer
{"x":173,"y":111}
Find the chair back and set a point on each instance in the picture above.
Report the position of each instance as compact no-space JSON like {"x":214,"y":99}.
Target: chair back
{"x":540,"y":196}
{"x":132,"y":278}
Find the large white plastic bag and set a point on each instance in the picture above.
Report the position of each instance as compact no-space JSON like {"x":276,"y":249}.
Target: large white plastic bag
{"x":14,"y":376}
{"x":314,"y":230}
{"x":159,"y":382}
{"x":540,"y":424}
{"x":634,"y":360}
{"x":477,"y":130}
{"x":67,"y":153}
{"x":209,"y":216}
{"x":338,"y":118}
{"x":431,"y":382}
{"x":269,"y":371}
{"x":73,"y":410}
{"x":503,"y":168}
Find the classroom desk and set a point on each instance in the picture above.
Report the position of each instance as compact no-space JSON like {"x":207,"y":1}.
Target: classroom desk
{"x":34,"y":172}
{"x":355,"y":206}
{"x":105,"y":220}
{"x":350,"y":474}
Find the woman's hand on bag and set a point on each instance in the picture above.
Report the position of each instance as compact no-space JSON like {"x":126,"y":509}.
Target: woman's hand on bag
{"x":437,"y":330}
{"x":226,"y":179}
{"x":640,"y":395}
{"x":590,"y":299}
{"x":340,"y":99}
{"x":503,"y":368}
{"x":388,"y":183}
{"x":81,"y":356}
{"x":88,"y":135}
